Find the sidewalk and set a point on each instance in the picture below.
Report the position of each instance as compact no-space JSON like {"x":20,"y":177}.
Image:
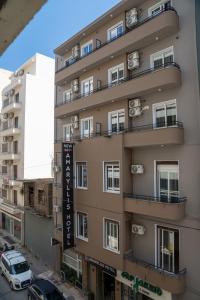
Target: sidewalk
{"x":41,"y":270}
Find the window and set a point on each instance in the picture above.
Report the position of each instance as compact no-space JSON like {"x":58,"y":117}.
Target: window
{"x":15,"y":147}
{"x":67,"y":132}
{"x":4,"y":169}
{"x":168,"y":182}
{"x":162,"y":58}
{"x":116,"y":74}
{"x":4,"y":147}
{"x":67,"y":96}
{"x":17,"y":98}
{"x":86,"y":48}
{"x":41,"y":196}
{"x":159,"y":7}
{"x":165,"y":114}
{"x":81,"y":175}
{"x":111,"y":177}
{"x":4,"y":193}
{"x":15,"y":197}
{"x":82,"y":226}
{"x":116,"y":121}
{"x":111,"y":235}
{"x":69,"y":61}
{"x":168,"y":249}
{"x":16,"y":122}
{"x":86,"y":127}
{"x":15,"y":171}
{"x":87,"y":86}
{"x":115,"y":31}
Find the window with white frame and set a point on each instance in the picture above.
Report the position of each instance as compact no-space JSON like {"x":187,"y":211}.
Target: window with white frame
{"x":165,"y":114}
{"x":111,"y":177}
{"x":162,"y":58}
{"x":81,"y":175}
{"x":168,"y":181}
{"x":67,"y":95}
{"x":116,"y":121}
{"x":116,"y":74}
{"x":67,"y":132}
{"x":86,"y":48}
{"x":86,"y":127}
{"x":159,"y":7}
{"x":115,"y":31}
{"x":82,"y":226}
{"x":87,"y":86}
{"x":167,"y":251}
{"x":111,"y":235}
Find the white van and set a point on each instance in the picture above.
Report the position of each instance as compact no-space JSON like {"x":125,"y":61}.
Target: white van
{"x":15,"y":268}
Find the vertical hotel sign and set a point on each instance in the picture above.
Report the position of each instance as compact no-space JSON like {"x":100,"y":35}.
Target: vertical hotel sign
{"x":68,"y":207}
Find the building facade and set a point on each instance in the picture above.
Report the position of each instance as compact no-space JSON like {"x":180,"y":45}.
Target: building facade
{"x":26,"y":118}
{"x":127,"y":98}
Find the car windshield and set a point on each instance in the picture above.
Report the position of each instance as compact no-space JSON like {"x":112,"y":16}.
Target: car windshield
{"x":55,"y":295}
{"x":20,"y":268}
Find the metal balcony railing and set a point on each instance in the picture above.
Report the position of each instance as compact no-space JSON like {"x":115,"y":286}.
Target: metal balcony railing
{"x":7,"y":103}
{"x":121,"y":81}
{"x":155,"y":199}
{"x":100,"y":45}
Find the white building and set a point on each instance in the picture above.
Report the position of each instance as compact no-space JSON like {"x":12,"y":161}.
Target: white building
{"x":27,"y":133}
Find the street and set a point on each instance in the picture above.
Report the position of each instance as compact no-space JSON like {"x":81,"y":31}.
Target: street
{"x":7,"y":294}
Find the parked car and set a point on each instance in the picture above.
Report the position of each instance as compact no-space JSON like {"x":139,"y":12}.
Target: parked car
{"x":43,"y":289}
{"x":16,"y":270}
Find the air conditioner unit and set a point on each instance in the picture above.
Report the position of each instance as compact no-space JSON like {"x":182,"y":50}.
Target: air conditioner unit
{"x":10,"y":138}
{"x":75,"y":85}
{"x":133,"y":60}
{"x":75,"y":51}
{"x":57,"y":169}
{"x":11,"y":115}
{"x":138,"y":229}
{"x":12,"y":91}
{"x":5,"y":138}
{"x":20,"y":72}
{"x":137,"y":169}
{"x":131,"y":17}
{"x":74,"y":120}
{"x":56,"y":208}
{"x":5,"y":116}
{"x":134,"y":103}
{"x":135,"y":112}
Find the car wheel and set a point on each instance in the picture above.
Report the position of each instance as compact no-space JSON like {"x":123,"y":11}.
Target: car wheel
{"x":11,"y":286}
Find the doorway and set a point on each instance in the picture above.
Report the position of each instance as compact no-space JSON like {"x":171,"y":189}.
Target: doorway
{"x":108,"y":286}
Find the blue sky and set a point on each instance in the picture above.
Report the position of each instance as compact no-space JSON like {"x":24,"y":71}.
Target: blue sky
{"x":53,"y":24}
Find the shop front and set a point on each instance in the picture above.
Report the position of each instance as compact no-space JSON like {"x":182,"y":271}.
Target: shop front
{"x":134,"y":288}
{"x":12,"y":225}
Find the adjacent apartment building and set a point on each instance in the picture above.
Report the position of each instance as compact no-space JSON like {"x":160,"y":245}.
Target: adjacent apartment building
{"x":127,"y":102}
{"x":26,"y":137}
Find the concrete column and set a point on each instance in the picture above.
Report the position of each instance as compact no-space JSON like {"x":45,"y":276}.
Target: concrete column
{"x":85,"y":274}
{"x":117,"y":290}
{"x":93,"y":280}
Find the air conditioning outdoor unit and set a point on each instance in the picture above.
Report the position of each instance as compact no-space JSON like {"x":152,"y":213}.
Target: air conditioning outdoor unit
{"x":131,"y":17}
{"x":57,"y":169}
{"x":138,"y":229}
{"x":135,"y":112}
{"x":134,"y":103}
{"x":74,"y":120}
{"x":75,"y":85}
{"x":75,"y":51}
{"x":11,"y":115}
{"x":10,"y":138}
{"x":56,"y":208}
{"x":12,"y":91}
{"x":5,"y":116}
{"x":133,"y":60}
{"x":137,"y":169}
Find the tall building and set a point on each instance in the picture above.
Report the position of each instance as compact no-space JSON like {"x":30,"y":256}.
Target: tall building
{"x":127,"y":103}
{"x":27,"y":137}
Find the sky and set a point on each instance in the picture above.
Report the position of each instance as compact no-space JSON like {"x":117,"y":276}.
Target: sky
{"x":57,"y":21}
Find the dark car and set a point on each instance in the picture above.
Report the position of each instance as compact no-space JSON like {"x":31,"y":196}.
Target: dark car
{"x":43,"y":289}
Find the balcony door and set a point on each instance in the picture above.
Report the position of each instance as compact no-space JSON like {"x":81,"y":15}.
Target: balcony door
{"x":168,"y":249}
{"x":87,"y":86}
{"x":86,"y":127}
{"x":168,"y":182}
{"x":165,"y":114}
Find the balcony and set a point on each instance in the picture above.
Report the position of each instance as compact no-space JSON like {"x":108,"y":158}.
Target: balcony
{"x":10,"y":131}
{"x":142,"y":35}
{"x":150,"y":135}
{"x":172,"y":282}
{"x":9,"y":156}
{"x":139,"y":84}
{"x":155,"y":207}
{"x":8,"y":207}
{"x":11,"y":106}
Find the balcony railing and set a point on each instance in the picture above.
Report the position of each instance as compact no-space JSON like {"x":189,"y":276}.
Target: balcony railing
{"x":100,"y":45}
{"x":8,"y":102}
{"x":109,"y":133}
{"x":129,"y":256}
{"x":126,"y":79}
{"x":155,"y":199}
{"x":9,"y":127}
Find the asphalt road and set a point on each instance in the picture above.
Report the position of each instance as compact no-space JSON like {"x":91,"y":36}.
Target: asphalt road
{"x":7,"y":294}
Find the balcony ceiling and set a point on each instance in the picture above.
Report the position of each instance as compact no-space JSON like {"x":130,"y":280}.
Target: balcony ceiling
{"x":14,"y":16}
